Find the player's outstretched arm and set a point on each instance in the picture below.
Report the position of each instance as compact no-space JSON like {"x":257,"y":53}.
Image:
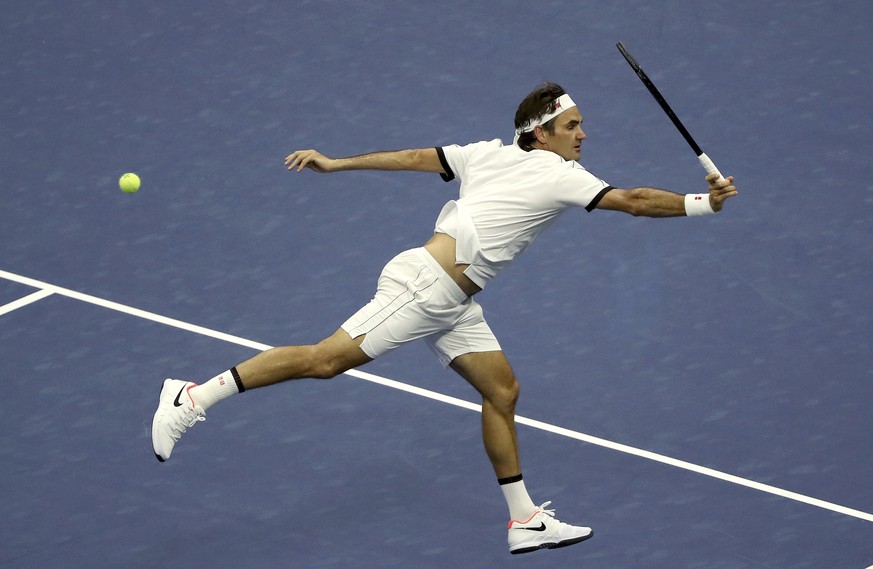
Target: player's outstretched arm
{"x":653,"y":202}
{"x":415,"y":159}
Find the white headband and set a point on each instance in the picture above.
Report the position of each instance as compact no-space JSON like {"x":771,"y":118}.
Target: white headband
{"x":562,"y":103}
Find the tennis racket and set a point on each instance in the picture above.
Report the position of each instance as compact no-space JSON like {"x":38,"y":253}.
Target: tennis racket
{"x":701,"y":156}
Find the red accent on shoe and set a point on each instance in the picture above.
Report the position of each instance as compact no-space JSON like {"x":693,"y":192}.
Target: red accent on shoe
{"x":188,"y":391}
{"x":509,"y":526}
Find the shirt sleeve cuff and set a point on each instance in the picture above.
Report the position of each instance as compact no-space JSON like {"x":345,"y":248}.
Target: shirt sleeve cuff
{"x":448,"y":176}
{"x":593,"y":203}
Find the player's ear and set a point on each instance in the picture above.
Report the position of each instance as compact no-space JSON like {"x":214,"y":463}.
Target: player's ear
{"x":540,"y":133}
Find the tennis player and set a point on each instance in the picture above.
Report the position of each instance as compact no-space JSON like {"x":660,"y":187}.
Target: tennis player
{"x":508,"y":195}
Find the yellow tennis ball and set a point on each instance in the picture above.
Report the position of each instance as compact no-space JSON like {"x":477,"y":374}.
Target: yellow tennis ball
{"x":129,"y":183}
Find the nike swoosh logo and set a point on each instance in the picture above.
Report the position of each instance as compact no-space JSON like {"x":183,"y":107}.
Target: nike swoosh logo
{"x":541,"y":528}
{"x":176,"y":402}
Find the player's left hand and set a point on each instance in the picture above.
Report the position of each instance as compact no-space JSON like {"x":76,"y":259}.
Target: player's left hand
{"x":720,"y":190}
{"x":312,"y":159}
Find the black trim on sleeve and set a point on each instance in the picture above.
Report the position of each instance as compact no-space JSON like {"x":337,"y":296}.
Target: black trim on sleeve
{"x":449,"y":175}
{"x":593,"y":203}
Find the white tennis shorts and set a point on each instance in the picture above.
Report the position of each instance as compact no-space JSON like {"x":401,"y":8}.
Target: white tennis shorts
{"x":416,"y":299}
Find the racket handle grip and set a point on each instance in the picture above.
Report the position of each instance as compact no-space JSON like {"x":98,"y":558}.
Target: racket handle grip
{"x":709,"y":166}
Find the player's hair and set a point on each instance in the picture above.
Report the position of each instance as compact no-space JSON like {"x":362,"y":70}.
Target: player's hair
{"x":539,"y":102}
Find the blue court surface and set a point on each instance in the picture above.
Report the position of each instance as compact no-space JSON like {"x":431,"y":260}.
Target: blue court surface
{"x":697,"y":390}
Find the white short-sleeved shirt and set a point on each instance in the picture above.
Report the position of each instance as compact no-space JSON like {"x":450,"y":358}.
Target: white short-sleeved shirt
{"x":507,"y":197}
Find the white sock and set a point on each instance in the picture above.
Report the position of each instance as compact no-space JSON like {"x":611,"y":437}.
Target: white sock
{"x":521,"y":507}
{"x":219,"y":387}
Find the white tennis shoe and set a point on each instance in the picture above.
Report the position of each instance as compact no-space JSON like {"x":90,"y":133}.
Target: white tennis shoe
{"x":544,"y":531}
{"x":176,"y":413}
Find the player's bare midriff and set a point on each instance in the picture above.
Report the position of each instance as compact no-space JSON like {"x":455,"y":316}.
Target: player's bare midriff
{"x":442,"y":248}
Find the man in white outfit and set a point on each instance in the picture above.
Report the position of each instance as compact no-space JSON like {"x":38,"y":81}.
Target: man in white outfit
{"x":508,"y":195}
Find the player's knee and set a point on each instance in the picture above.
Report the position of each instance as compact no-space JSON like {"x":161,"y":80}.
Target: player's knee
{"x":505,"y":394}
{"x":325,"y":364}
{"x":335,"y":355}
{"x":513,"y":390}
{"x":326,"y":368}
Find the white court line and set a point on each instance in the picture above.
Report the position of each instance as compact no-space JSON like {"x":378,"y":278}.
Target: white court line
{"x":16,"y":304}
{"x":47,"y":289}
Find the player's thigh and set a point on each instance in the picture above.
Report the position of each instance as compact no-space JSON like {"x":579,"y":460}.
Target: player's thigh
{"x":490,"y":374}
{"x":339,"y":353}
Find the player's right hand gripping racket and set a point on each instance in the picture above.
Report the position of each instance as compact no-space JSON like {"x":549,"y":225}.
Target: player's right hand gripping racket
{"x":704,"y":159}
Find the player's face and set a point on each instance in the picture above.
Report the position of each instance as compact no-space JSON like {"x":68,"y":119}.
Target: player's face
{"x":566,"y":142}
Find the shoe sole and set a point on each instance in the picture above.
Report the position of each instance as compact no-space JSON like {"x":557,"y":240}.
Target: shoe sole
{"x":157,"y":456}
{"x":565,"y":543}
